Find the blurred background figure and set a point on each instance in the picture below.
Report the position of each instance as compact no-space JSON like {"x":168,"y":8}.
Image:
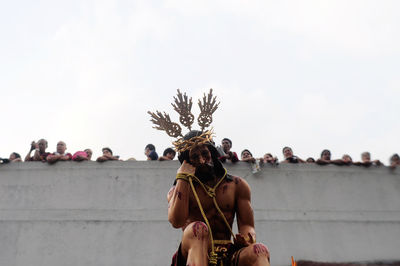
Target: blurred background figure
{"x":85,"y":155}
{"x":107,"y":155}
{"x":150,"y":152}
{"x":226,"y":153}
{"x":394,"y":160}
{"x":60,"y":154}
{"x":168,"y":155}
{"x":310,"y":160}
{"x":40,"y":151}
{"x":347,"y":159}
{"x":366,"y":160}
{"x":268,"y":158}
{"x":326,"y":159}
{"x":15,"y":157}
{"x":289,"y":157}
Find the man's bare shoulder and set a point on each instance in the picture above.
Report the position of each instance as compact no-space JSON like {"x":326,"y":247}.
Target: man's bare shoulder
{"x":242,"y":187}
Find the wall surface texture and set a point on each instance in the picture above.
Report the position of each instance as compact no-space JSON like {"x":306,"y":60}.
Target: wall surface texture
{"x":115,"y":213}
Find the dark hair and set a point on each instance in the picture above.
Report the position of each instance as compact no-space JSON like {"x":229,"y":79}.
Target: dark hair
{"x":230,"y":141}
{"x":394,"y":156}
{"x":366,"y":153}
{"x":169,"y":150}
{"x":247,"y":151}
{"x":325,"y":151}
{"x":16,"y":155}
{"x":150,"y":147}
{"x":107,"y":149}
{"x":185,"y":155}
{"x":284,"y":148}
{"x":310,"y":159}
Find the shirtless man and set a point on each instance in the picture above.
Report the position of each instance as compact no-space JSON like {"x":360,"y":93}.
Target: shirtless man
{"x":200,"y":165}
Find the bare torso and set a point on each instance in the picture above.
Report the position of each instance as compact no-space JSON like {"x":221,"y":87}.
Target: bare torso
{"x":226,"y":200}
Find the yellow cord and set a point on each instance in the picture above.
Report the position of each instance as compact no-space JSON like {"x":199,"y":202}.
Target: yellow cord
{"x":211,"y":193}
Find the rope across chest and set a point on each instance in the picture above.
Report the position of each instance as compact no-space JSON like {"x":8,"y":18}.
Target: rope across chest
{"x":211,"y":193}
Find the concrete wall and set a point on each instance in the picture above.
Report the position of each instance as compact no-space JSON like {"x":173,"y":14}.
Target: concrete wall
{"x":115,"y":213}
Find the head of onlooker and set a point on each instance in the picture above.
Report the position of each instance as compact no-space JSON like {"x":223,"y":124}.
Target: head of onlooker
{"x":326,"y":159}
{"x":85,"y":155}
{"x":150,"y":152}
{"x":61,"y":147}
{"x":42,"y":144}
{"x":366,"y":160}
{"x":89,"y":153}
{"x":326,"y":155}
{"x":394,"y":160}
{"x":366,"y":157}
{"x":227,"y":154}
{"x":107,"y":155}
{"x":347,"y":159}
{"x":310,"y":160}
{"x":60,"y":154}
{"x":15,"y":157}
{"x":268,"y":158}
{"x":287,"y":152}
{"x":247,"y":156}
{"x":226,"y":145}
{"x":289,"y":157}
{"x":168,"y":155}
{"x":40,"y":151}
{"x":107,"y":151}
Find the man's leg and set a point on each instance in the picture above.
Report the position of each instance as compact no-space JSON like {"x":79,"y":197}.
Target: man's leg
{"x":195,"y":244}
{"x":256,"y":255}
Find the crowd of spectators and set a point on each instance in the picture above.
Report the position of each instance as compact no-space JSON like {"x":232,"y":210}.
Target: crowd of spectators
{"x":37,"y":152}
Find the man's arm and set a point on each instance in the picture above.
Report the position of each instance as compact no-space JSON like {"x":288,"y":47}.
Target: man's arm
{"x":28,"y":156}
{"x":245,"y":215}
{"x":234,"y":157}
{"x":52,"y":158}
{"x":66,"y":157}
{"x":178,"y":198}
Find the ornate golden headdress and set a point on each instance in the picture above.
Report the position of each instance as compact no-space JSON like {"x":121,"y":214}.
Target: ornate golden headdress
{"x":183,"y":106}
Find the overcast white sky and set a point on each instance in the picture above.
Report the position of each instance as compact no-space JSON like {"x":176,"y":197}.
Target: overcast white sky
{"x":306,"y":74}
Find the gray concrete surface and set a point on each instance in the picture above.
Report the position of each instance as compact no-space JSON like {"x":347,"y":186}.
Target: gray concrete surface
{"x":115,"y":213}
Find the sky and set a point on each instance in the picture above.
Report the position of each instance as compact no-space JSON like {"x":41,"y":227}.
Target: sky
{"x":311,"y":75}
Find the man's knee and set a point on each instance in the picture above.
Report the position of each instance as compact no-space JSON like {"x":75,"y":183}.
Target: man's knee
{"x":253,"y":253}
{"x":197,"y":231}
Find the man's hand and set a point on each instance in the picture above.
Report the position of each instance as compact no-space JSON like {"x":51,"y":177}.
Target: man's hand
{"x":186,"y":168}
{"x":242,"y":241}
{"x":33,"y":145}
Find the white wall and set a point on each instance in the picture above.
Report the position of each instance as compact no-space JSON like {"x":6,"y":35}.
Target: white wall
{"x":115,"y":213}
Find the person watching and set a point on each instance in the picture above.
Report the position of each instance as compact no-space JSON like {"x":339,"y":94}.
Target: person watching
{"x":60,"y":154}
{"x":15,"y":157}
{"x":246,"y":156}
{"x":150,"y":152}
{"x":107,"y":155}
{"x":289,"y":157}
{"x":85,"y":155}
{"x":268,"y":158}
{"x":366,"y":160}
{"x":326,"y":159}
{"x":347,"y":159}
{"x":168,"y":155}
{"x":40,"y":151}
{"x":229,"y":155}
{"x":310,"y":160}
{"x":394,"y":161}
